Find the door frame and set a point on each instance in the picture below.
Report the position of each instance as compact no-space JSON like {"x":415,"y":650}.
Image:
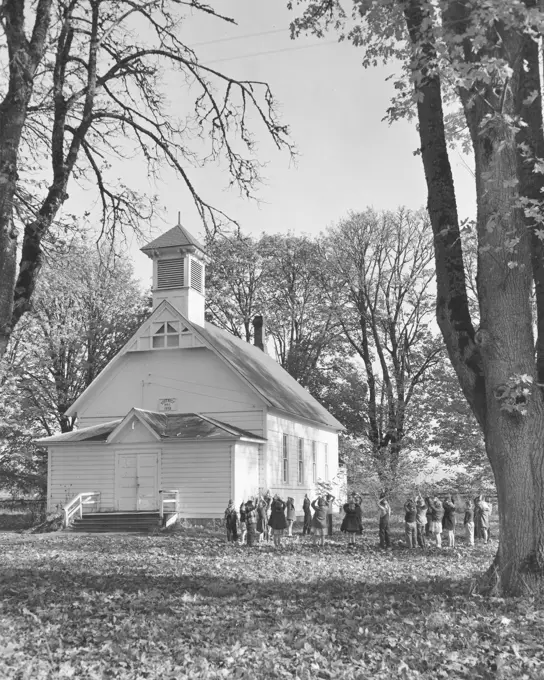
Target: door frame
{"x":131,"y":451}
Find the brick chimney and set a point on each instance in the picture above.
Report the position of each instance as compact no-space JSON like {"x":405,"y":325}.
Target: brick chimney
{"x":258,"y":332}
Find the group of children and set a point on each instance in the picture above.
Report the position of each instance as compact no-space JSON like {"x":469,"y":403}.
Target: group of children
{"x":265,"y":517}
{"x":427,"y":518}
{"x":268,"y":517}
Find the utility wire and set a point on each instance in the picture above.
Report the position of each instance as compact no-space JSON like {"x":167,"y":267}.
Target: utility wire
{"x":238,"y":37}
{"x":259,"y":54}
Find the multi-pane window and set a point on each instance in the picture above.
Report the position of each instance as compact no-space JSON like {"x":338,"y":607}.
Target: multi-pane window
{"x":326,"y":462}
{"x":314,"y":462}
{"x":285,"y":459}
{"x":300,"y":460}
{"x":166,"y":335}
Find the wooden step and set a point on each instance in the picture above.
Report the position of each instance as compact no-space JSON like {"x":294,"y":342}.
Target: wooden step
{"x":101,"y":522}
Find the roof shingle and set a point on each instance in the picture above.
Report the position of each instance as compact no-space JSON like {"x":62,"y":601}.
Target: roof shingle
{"x":177,"y":237}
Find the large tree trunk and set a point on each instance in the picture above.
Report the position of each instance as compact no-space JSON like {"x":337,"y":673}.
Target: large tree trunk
{"x":514,"y":423}
{"x":496,"y":364}
{"x":24,"y":57}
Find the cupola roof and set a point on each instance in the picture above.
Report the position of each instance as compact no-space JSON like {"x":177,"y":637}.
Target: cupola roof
{"x":177,"y":237}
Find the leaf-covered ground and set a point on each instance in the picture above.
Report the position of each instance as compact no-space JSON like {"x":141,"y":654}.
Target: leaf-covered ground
{"x":190,"y":606}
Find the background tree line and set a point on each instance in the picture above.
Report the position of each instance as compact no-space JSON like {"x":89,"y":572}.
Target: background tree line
{"x":349,"y":314}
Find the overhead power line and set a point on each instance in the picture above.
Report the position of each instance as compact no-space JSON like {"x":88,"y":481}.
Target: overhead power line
{"x":284,"y":49}
{"x":239,"y":37}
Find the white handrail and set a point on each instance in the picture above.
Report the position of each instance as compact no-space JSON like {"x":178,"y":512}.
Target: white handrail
{"x":171,"y":501}
{"x":77,"y":503}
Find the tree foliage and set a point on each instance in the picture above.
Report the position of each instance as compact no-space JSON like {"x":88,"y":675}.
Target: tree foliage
{"x":485,"y":57}
{"x":83,"y":82}
{"x":86,"y":308}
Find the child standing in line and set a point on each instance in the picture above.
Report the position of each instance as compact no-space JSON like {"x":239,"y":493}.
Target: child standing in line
{"x":385,"y":514}
{"x":410,"y":523}
{"x":449,"y":520}
{"x":469,"y":522}
{"x":277,"y":521}
{"x":307,"y":509}
{"x":421,"y":520}
{"x":436,"y":523}
{"x":262,"y":520}
{"x":251,"y":522}
{"x":351,"y":523}
{"x":290,"y":516}
{"x":243,"y":525}
{"x":231,"y":523}
{"x":319,"y":521}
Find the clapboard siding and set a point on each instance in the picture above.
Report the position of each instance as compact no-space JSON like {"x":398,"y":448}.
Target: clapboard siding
{"x":78,"y":469}
{"x":246,"y":472}
{"x":198,"y":380}
{"x":202,"y":473}
{"x":326,"y":457}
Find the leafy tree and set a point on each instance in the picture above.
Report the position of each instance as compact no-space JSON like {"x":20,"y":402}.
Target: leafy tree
{"x":303,"y":328}
{"x":379,"y":283}
{"x":85,"y":309}
{"x":235,"y":283}
{"x":486,"y":55}
{"x":85,"y":81}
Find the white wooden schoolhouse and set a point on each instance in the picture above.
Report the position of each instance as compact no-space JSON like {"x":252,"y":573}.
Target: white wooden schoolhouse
{"x":188,"y":407}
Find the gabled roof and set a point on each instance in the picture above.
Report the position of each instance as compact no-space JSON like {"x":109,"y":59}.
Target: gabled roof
{"x":167,"y":426}
{"x":254,"y":367}
{"x":177,"y":237}
{"x":272,"y":382}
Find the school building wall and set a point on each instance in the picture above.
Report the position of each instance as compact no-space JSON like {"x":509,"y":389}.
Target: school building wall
{"x":325,"y":444}
{"x":198,"y":380}
{"x":77,"y":469}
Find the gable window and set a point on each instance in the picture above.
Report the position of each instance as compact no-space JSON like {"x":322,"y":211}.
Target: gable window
{"x":300,"y":460}
{"x":170,"y":273}
{"x":285,"y":460}
{"x":166,"y":335}
{"x":314,"y":462}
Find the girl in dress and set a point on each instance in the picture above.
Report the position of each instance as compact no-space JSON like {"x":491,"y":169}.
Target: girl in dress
{"x":351,"y":523}
{"x":449,"y":520}
{"x":319,"y":521}
{"x":243,"y":525}
{"x":290,"y":515}
{"x":277,"y":521}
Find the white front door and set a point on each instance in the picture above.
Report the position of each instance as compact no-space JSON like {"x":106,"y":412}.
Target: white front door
{"x":137,"y":475}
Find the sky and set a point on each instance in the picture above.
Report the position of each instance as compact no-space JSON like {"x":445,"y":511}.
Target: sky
{"x":348,"y":158}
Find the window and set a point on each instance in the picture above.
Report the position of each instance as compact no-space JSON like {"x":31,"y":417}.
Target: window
{"x":196,"y":275}
{"x":314,"y":462}
{"x":326,"y":462}
{"x":285,"y":460}
{"x":300,"y":460}
{"x":166,"y":335}
{"x":170,"y":274}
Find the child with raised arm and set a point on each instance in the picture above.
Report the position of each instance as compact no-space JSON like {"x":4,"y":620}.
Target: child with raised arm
{"x":421,"y":520}
{"x":319,"y":521}
{"x":385,"y":513}
{"x":436,"y":519}
{"x":469,"y":522}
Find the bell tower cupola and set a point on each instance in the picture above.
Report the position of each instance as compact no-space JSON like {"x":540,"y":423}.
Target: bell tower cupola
{"x":179,"y":267}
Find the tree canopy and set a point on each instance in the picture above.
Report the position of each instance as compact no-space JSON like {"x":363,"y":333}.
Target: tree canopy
{"x":86,"y":82}
{"x":484,"y":56}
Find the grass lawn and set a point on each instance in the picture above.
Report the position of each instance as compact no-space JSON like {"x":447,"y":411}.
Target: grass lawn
{"x":189,"y":606}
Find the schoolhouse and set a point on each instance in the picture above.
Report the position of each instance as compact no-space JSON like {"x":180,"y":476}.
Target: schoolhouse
{"x":188,"y":407}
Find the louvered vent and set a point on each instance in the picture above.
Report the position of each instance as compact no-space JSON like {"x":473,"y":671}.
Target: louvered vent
{"x":196,"y":275}
{"x":170,"y":274}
